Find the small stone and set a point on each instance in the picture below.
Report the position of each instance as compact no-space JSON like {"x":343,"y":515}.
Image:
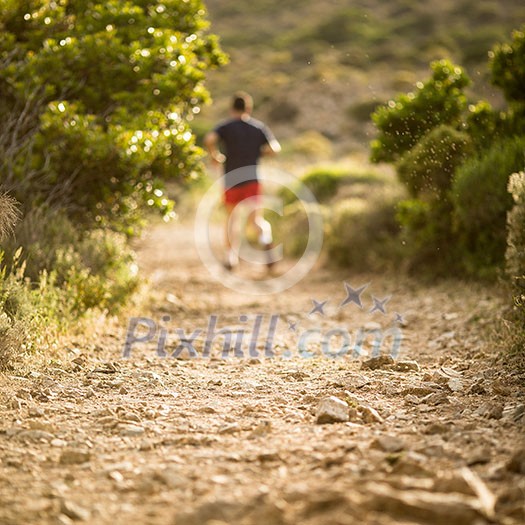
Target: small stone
{"x":131,"y":430}
{"x":35,"y":411}
{"x":42,"y":425}
{"x":106,"y":368}
{"x":423,"y":389}
{"x":58,"y":443}
{"x":263,"y":428}
{"x":375,"y":363}
{"x":14,"y":404}
{"x":518,"y":414}
{"x":34,"y":435}
{"x":437,"y":428}
{"x":130,"y":416}
{"x":108,"y":421}
{"x":480,"y":456}
{"x":74,"y":457}
{"x":74,"y":511}
{"x":230,"y":429}
{"x":123,"y":390}
{"x":147,"y":445}
{"x":369,"y":414}
{"x":490,"y":410}
{"x":332,"y":410}
{"x":116,"y":476}
{"x":390,"y":444}
{"x":268,"y":456}
{"x":517,"y":462}
{"x":437,"y":398}
{"x":407,"y":366}
{"x":455,"y":384}
{"x":477,"y":388}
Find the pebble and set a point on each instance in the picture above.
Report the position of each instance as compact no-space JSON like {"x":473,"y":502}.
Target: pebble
{"x":369,"y":414}
{"x":263,"y":428}
{"x":517,"y":462}
{"x":332,"y":410}
{"x":34,"y":435}
{"x":490,"y":410}
{"x":14,"y":404}
{"x":74,"y":457}
{"x":375,"y":363}
{"x":387,"y":443}
{"x":35,"y":411}
{"x":419,"y":390}
{"x":407,"y":366}
{"x":131,"y":430}
{"x":74,"y":511}
{"x":437,"y":428}
{"x":230,"y":429}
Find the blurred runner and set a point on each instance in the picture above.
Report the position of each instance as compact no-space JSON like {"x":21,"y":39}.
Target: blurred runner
{"x":244,"y":140}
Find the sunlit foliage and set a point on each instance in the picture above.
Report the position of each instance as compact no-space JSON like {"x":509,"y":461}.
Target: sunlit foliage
{"x":111,"y":87}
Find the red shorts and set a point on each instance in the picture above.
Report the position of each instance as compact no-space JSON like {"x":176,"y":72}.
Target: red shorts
{"x":237,"y":194}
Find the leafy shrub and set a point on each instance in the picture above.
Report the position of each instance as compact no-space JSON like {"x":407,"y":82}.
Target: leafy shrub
{"x":362,"y":233}
{"x":402,"y":122}
{"x":483,"y":124}
{"x":110,"y":88}
{"x":324,"y":182}
{"x":515,"y":254}
{"x":507,"y":63}
{"x":428,"y":168}
{"x":481,"y":202}
{"x":310,"y":144}
{"x":292,"y":229}
{"x":427,"y":235}
{"x":95,"y":268}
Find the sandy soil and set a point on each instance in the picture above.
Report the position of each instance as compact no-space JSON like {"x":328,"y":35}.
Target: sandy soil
{"x":437,"y":436}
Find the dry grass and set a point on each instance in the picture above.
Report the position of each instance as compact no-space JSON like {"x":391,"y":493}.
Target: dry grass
{"x":11,"y":340}
{"x":9,"y":215}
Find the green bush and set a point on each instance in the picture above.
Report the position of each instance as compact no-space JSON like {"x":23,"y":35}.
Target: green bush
{"x":324,"y":182}
{"x":292,"y":229}
{"x":402,"y":122}
{"x":110,"y":88}
{"x":362,"y":233}
{"x":428,"y":168}
{"x":95,"y":268}
{"x":481,"y":202}
{"x":515,"y":254}
{"x":507,"y":63}
{"x":427,"y":236}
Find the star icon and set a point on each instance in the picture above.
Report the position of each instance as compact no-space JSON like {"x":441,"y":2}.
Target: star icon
{"x":353,"y":295}
{"x":379,"y":304}
{"x":399,"y":318}
{"x":318,"y":307}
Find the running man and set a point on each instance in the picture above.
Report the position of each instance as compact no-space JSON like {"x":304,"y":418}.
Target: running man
{"x":244,"y":140}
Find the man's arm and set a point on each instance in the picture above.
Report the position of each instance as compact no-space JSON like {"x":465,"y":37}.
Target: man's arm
{"x":211,"y":141}
{"x":272,"y":147}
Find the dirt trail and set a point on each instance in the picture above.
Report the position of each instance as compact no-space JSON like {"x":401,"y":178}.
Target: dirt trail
{"x":431,"y":438}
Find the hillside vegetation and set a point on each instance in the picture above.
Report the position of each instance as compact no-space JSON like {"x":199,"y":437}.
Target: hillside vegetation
{"x":327,"y":65}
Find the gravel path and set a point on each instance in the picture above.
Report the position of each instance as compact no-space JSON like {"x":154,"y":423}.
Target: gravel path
{"x":434,"y":436}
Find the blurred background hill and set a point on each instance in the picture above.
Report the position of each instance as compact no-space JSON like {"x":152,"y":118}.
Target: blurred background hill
{"x":318,"y":69}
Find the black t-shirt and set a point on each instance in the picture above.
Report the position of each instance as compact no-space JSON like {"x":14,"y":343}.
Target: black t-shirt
{"x":242,"y":140}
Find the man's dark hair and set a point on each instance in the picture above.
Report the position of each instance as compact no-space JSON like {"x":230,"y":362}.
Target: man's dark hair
{"x":242,"y":101}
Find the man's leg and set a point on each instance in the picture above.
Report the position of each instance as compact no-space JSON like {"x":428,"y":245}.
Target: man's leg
{"x":264,"y":232}
{"x":231,"y":240}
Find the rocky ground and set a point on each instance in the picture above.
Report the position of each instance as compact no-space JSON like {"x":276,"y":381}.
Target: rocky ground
{"x":434,"y":436}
